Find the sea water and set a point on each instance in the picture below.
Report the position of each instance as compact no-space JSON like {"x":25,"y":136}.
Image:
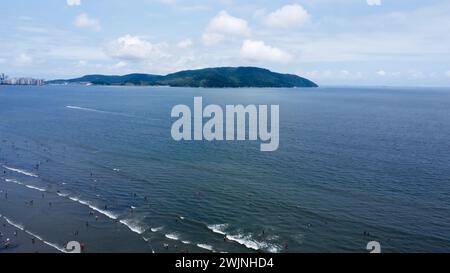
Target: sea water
{"x":354,"y":165}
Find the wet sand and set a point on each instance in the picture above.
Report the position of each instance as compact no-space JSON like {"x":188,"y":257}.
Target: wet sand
{"x":20,"y":241}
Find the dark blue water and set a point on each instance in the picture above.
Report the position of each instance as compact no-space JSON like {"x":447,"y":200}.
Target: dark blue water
{"x":354,"y":165}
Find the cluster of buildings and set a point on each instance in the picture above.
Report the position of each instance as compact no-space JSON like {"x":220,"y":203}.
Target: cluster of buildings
{"x":5,"y":80}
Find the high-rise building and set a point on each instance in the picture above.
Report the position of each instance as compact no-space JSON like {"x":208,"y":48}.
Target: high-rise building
{"x":3,"y":77}
{"x":20,"y":81}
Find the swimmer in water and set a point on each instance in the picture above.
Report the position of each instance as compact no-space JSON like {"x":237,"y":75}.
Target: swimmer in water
{"x":7,"y":243}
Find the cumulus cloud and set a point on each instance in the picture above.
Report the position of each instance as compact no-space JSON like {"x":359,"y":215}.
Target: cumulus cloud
{"x":225,"y":25}
{"x":120,"y":64}
{"x":84,"y":21}
{"x":381,"y":73}
{"x":374,"y":2}
{"x":82,"y":63}
{"x":260,"y":52}
{"x":343,"y":74}
{"x":288,"y":16}
{"x":134,"y":48}
{"x":187,"y":43}
{"x":24,"y":59}
{"x":73,"y":2}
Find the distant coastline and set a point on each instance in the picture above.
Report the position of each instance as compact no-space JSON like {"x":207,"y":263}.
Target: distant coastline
{"x":221,"y":77}
{"x":5,"y":80}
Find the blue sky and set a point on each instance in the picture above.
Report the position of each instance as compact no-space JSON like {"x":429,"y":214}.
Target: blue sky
{"x":334,"y":42}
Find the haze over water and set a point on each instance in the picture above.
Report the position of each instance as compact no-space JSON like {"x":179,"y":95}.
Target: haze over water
{"x":354,"y":165}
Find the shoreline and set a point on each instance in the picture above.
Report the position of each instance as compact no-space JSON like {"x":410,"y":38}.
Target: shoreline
{"x":20,"y":240}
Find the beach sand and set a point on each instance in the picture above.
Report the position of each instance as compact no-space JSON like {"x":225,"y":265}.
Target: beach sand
{"x":21,"y":242}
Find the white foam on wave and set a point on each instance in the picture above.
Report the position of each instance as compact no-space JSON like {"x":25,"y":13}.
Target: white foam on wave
{"x":172,"y":236}
{"x":86,"y":203}
{"x":186,"y":242}
{"x":274,"y":249}
{"x":249,"y":242}
{"x":24,"y":172}
{"x":55,"y":246}
{"x":18,"y":226}
{"x":14,"y":181}
{"x":35,"y":235}
{"x":245,"y":240}
{"x":205,"y":246}
{"x":35,"y":188}
{"x":157,"y":229}
{"x":62,"y":194}
{"x":22,"y":184}
{"x":219,"y":229}
{"x":95,"y":110}
{"x":133,"y":226}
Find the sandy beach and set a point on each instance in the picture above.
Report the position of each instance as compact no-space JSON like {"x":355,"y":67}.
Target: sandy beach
{"x":20,"y":240}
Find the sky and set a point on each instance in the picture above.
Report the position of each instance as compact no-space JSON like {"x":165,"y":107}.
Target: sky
{"x":333,"y":42}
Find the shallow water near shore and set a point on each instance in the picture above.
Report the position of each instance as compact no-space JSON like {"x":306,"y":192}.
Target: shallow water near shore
{"x":98,"y":165}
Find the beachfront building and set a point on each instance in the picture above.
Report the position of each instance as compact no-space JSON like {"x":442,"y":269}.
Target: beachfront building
{"x":20,"y":81}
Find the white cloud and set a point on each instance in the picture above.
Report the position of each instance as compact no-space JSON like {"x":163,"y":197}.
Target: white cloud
{"x":209,"y":38}
{"x":288,"y":16}
{"x":168,"y":2}
{"x":25,"y":18}
{"x":24,"y":59}
{"x":120,"y":64}
{"x":381,"y":73}
{"x":134,"y":48}
{"x":31,"y":29}
{"x":260,"y":52}
{"x":332,"y":74}
{"x":82,"y":63}
{"x":225,"y":25}
{"x":84,"y":21}
{"x":187,"y":43}
{"x":374,"y":2}
{"x":73,"y":2}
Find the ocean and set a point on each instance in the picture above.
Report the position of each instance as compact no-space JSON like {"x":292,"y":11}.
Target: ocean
{"x":98,"y":165}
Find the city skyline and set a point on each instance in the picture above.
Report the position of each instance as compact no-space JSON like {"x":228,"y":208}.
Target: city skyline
{"x":345,"y":42}
{"x":6,"y":80}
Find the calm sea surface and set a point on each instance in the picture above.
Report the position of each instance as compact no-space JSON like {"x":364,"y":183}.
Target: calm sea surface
{"x":354,"y":165}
